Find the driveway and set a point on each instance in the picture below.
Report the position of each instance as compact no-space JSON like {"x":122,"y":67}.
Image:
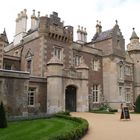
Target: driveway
{"x":110,"y":127}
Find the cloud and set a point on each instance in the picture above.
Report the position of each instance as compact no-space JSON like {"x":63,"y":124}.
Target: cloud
{"x":103,"y":5}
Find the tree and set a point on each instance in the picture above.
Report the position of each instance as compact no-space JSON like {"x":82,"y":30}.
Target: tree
{"x":137,"y":104}
{"x":3,"y":121}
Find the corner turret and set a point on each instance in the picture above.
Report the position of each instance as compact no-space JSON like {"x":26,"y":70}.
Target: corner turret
{"x":134,"y":42}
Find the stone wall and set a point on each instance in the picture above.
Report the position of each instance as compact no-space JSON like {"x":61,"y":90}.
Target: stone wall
{"x":14,"y":87}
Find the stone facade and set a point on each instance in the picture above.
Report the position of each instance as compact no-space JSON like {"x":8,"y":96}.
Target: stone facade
{"x":54,"y":73}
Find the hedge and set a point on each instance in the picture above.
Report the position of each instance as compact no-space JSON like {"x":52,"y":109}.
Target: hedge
{"x":74,"y":134}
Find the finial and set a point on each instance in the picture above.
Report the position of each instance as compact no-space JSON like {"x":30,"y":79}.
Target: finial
{"x":82,"y":28}
{"x":21,"y":13}
{"x":97,"y":21}
{"x":133,"y":28}
{"x":25,"y":10}
{"x":4,"y":32}
{"x":18,"y":15}
{"x":38,"y":13}
{"x":116,"y":21}
{"x":100,"y":23}
{"x":85,"y":29}
{"x":33,"y":12}
{"x":78,"y":27}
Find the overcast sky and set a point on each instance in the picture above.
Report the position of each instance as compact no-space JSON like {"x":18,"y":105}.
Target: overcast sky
{"x":76,"y":12}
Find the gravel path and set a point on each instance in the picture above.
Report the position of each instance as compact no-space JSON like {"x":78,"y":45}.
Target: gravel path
{"x":110,"y":127}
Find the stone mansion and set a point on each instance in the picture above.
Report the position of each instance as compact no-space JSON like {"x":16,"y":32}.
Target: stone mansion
{"x":45,"y":71}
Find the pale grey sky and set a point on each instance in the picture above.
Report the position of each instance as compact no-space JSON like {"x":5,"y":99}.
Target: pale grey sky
{"x":76,"y":12}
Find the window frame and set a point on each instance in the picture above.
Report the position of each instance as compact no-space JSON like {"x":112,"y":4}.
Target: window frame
{"x":58,"y":52}
{"x":77,"y":60}
{"x":31,"y":98}
{"x":95,"y":64}
{"x":96,"y":93}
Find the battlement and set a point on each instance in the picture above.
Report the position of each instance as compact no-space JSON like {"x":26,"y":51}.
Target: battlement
{"x":55,"y":29}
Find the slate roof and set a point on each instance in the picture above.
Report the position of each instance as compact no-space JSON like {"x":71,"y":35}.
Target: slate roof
{"x":102,"y":36}
{"x":134,"y":35}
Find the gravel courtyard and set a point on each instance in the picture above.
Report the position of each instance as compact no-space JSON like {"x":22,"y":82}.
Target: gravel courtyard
{"x":110,"y":127}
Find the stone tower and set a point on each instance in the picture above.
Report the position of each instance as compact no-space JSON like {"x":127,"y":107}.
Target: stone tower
{"x":134,"y":51}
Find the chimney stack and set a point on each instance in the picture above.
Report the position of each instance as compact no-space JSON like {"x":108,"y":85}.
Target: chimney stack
{"x":82,"y":35}
{"x":34,"y":20}
{"x":21,"y":26}
{"x":98,"y":27}
{"x":24,"y":21}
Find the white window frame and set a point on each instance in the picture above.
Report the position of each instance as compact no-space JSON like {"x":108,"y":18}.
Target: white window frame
{"x":77,"y":60}
{"x":95,"y":65}
{"x":96,"y":93}
{"x":58,"y":52}
{"x":128,"y":94}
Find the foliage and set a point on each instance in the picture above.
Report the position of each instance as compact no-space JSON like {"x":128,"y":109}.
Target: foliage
{"x":3,"y":120}
{"x":64,"y":113}
{"x":74,"y":134}
{"x":104,"y":109}
{"x":137,"y":104}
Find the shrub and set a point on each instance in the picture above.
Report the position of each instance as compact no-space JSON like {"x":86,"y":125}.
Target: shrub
{"x":113,"y":110}
{"x":3,"y":121}
{"x":74,"y":134}
{"x":64,"y":113}
{"x":137,"y":104}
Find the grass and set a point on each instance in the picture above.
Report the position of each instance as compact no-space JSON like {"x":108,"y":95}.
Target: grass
{"x":40,"y":129}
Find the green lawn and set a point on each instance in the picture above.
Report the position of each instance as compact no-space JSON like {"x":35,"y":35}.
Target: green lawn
{"x":40,"y":129}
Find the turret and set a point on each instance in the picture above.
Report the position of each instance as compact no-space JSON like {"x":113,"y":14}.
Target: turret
{"x":134,"y":38}
{"x":134,"y":42}
{"x":134,"y":52}
{"x":54,"y":85}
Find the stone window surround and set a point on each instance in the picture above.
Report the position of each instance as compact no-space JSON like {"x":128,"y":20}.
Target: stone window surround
{"x":34,"y":96}
{"x":128,"y":70}
{"x":96,"y":93}
{"x":58,"y":52}
{"x":95,"y":64}
{"x":31,"y":65}
{"x":77,"y":60}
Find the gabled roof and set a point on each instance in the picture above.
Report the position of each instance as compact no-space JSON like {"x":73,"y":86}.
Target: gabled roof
{"x":106,"y":34}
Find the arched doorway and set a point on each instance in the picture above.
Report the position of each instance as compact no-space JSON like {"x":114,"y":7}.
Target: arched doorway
{"x":70,"y":98}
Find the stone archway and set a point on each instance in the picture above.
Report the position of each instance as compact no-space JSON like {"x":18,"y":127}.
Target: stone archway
{"x":70,"y":98}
